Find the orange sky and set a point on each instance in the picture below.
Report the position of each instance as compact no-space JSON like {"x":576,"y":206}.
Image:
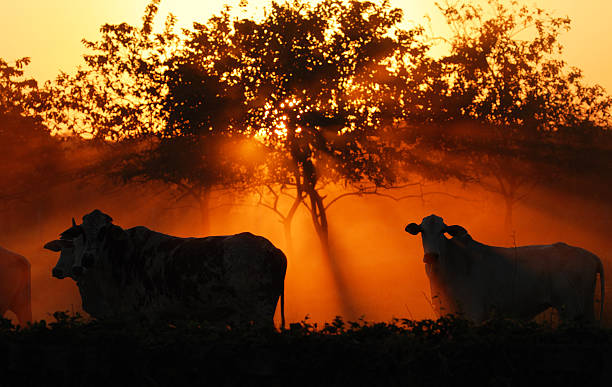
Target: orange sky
{"x":383,"y":265}
{"x":50,"y":31}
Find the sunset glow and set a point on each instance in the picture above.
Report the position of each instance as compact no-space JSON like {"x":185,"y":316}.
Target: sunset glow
{"x":188,"y":188}
{"x":51,"y":32}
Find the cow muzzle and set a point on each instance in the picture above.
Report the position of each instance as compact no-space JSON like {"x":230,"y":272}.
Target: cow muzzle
{"x":431,"y":258}
{"x":58,"y":273}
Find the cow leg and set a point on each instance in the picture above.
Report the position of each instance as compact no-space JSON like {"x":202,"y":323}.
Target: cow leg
{"x":585,"y":306}
{"x":589,"y":309}
{"x":23,"y":312}
{"x":22,"y":304}
{"x":22,"y":308}
{"x":475,"y":313}
{"x":579,"y":306}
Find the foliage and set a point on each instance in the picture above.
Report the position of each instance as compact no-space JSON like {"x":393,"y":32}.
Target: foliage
{"x":29,"y":156}
{"x":321,"y":93}
{"x":511,"y":104}
{"x":335,"y":93}
{"x":117,"y":94}
{"x":447,"y":351}
{"x":133,"y":97}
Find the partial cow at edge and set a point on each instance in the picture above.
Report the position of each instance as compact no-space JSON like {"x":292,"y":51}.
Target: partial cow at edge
{"x":222,"y":279}
{"x":477,"y":281}
{"x":15,"y":284}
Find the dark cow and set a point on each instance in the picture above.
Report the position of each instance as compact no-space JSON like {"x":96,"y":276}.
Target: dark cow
{"x":223,"y":279}
{"x":15,"y":285}
{"x":477,"y":281}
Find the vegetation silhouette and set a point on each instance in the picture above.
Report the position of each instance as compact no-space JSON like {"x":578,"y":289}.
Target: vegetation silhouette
{"x":307,"y":100}
{"x":447,"y":351}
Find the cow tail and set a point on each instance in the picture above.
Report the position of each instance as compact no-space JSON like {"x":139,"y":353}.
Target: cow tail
{"x":601,"y":284}
{"x":283,"y":306}
{"x":283,"y":272}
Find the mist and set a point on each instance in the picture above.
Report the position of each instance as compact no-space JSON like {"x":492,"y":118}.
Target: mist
{"x":379,"y":273}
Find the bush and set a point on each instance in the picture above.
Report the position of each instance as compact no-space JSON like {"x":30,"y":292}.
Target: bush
{"x":447,"y":352}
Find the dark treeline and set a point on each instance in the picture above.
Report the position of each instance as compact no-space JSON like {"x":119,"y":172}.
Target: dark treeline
{"x":285,"y":107}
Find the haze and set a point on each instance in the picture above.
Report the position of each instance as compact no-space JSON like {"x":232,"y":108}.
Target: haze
{"x":379,"y":273}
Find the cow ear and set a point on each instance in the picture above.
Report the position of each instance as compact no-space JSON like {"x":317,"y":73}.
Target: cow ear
{"x":55,"y":245}
{"x":456,"y":231}
{"x":413,"y":228}
{"x":72,"y":232}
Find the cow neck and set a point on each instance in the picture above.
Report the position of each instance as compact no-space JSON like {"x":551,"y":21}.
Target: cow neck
{"x":454,"y":257}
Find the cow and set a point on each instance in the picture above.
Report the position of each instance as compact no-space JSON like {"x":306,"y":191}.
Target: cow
{"x":15,"y":283}
{"x":231,"y":279}
{"x":478,"y":281}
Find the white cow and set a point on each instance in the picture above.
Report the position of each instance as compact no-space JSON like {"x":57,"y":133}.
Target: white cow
{"x":15,"y":285}
{"x":234,"y":278}
{"x":477,"y":281}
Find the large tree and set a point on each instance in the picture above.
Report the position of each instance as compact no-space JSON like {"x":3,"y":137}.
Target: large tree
{"x":321,"y":91}
{"x":509,"y":97}
{"x":317,"y":87}
{"x":160,"y":118}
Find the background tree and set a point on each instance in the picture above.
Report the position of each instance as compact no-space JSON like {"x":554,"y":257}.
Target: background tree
{"x":29,"y":155}
{"x":198,"y":149}
{"x":508,"y":96}
{"x":160,"y":118}
{"x":314,"y":85}
{"x":32,"y":162}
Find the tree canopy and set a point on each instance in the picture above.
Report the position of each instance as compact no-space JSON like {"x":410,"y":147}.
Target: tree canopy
{"x":514,"y":114}
{"x":334,"y":93}
{"x":29,"y":155}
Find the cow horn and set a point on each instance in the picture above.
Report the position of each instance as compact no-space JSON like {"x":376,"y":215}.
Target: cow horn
{"x":73,"y":222}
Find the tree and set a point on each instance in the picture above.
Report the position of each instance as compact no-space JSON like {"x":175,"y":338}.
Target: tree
{"x":32,"y":161}
{"x":161,"y":118}
{"x":509,"y":96}
{"x":319,"y":81}
{"x":28,"y":153}
{"x":321,"y":94}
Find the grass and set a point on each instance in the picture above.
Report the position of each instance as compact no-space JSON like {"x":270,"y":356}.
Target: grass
{"x":446,"y":352}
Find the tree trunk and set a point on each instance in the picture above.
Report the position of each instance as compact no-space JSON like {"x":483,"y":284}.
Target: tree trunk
{"x":319,"y":218}
{"x":288,"y":237}
{"x":508,"y":219}
{"x":507,"y":189}
{"x":287,"y":220}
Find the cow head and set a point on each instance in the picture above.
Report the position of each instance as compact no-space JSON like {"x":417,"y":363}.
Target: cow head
{"x":97,"y":228}
{"x":63,"y":267}
{"x":65,"y":245}
{"x":432,"y":229}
